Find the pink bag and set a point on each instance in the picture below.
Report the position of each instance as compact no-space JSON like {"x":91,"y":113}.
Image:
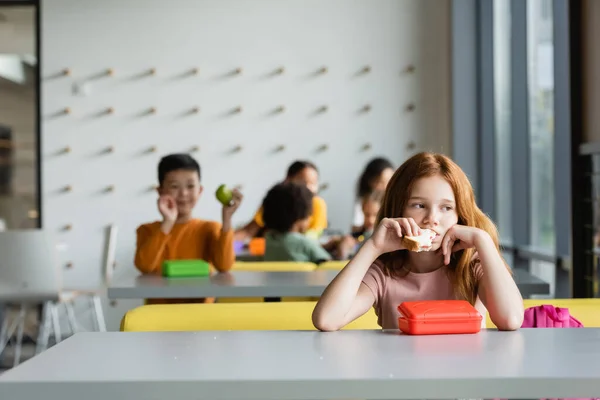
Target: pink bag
{"x":547,"y":316}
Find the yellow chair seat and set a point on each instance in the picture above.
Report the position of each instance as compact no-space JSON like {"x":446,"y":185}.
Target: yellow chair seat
{"x":241,"y":316}
{"x":274,"y":266}
{"x":333,"y":265}
{"x":585,"y":310}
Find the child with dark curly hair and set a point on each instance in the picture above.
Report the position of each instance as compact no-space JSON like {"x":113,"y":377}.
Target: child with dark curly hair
{"x":287,"y":209}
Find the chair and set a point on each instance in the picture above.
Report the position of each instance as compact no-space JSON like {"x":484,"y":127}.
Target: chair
{"x":68,"y":297}
{"x":29,"y":275}
{"x":28,"y":260}
{"x":241,"y":316}
{"x":333,"y":265}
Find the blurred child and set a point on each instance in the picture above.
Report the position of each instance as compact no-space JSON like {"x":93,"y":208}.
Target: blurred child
{"x":179,"y":236}
{"x":370,"y":205}
{"x":287,"y":210}
{"x":374,"y":177}
{"x":303,"y":172}
{"x":341,"y":248}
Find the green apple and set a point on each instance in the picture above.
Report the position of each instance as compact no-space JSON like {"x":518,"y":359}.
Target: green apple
{"x":224,"y":195}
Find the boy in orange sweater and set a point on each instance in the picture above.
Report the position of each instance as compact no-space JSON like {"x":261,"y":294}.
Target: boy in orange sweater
{"x":178,"y":235}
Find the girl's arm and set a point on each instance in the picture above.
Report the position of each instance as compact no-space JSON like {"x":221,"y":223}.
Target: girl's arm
{"x":497,"y":288}
{"x":346,"y":298}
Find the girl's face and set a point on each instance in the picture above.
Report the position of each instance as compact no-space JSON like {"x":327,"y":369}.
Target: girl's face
{"x":309,"y":177}
{"x":432,"y":205}
{"x":382,"y":180}
{"x":370,"y":209}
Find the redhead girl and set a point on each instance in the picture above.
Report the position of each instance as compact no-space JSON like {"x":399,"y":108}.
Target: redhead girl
{"x":429,"y":191}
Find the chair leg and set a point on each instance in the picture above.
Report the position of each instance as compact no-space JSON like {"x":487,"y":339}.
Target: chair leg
{"x":8,"y":330}
{"x":99,"y":314}
{"x":4,"y":331}
{"x":20,"y":328}
{"x":44,"y":330}
{"x":55,"y":323}
{"x":71,"y":317}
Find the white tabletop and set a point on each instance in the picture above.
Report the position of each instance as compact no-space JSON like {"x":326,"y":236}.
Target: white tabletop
{"x":288,"y":365}
{"x":255,"y":284}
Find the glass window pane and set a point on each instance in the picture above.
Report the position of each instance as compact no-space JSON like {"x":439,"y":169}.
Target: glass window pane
{"x":540,"y":61}
{"x":502,"y":104}
{"x":18,"y":113}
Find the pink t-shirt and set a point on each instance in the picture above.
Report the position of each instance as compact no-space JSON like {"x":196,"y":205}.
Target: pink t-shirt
{"x":390,"y":292}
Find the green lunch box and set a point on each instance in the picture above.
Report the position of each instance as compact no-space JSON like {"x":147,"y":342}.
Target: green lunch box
{"x":185,"y":268}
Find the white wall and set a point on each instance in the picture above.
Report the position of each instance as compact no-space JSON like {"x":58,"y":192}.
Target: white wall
{"x":218,"y":36}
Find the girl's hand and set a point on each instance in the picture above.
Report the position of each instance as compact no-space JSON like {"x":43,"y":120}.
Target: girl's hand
{"x":460,"y":237}
{"x":390,"y":231}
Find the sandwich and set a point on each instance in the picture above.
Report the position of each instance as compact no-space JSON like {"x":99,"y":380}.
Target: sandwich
{"x":421,"y":242}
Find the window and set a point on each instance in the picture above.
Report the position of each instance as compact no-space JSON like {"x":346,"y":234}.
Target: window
{"x":540,"y":76}
{"x":502,"y":128}
{"x":19,"y":185}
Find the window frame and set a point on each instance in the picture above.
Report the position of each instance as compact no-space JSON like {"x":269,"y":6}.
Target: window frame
{"x":474,"y":122}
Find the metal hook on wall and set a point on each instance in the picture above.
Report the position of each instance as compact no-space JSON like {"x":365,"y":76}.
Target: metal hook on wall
{"x":410,"y":69}
{"x":323,"y":186}
{"x":322,"y":148}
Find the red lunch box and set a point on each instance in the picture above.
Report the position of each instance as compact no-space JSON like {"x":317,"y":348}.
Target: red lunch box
{"x":438,"y":317}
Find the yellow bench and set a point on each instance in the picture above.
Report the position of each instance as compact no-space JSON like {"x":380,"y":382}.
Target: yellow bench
{"x":287,"y":316}
{"x":241,"y":316}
